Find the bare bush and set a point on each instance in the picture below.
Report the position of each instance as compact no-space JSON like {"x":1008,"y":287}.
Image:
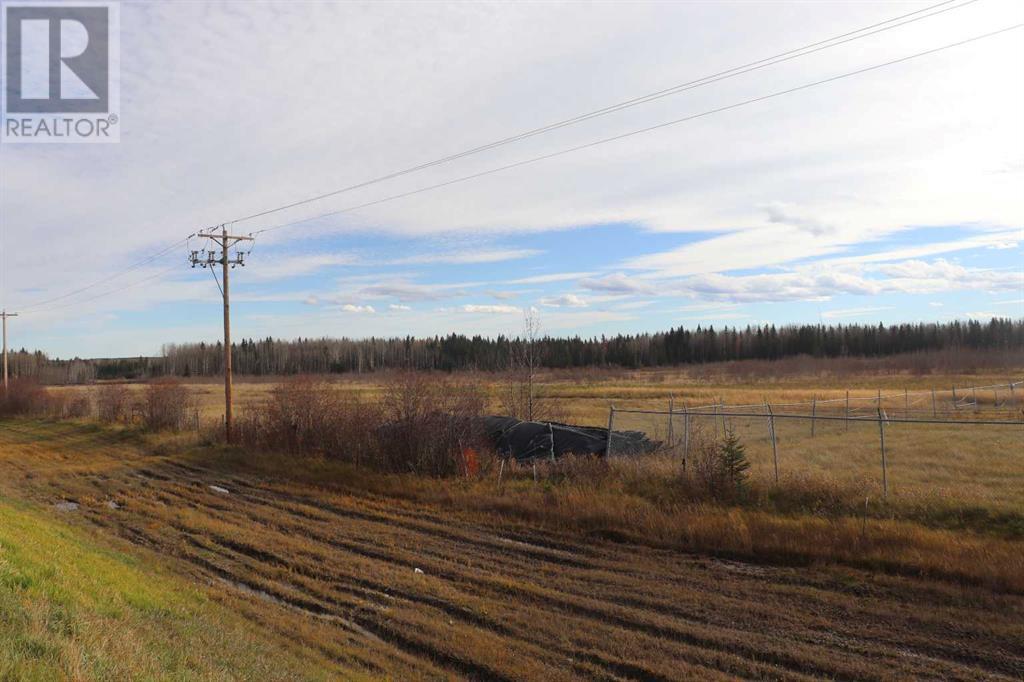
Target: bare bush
{"x":23,"y":397}
{"x":305,"y":415}
{"x":421,"y":424}
{"x":165,"y":405}
{"x":429,"y":424}
{"x":77,"y":406}
{"x":112,"y":403}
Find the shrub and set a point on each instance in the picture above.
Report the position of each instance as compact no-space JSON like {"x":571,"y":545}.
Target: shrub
{"x":165,"y":405}
{"x":77,"y":406}
{"x":306,"y":415}
{"x":112,"y":402}
{"x":721,"y":468}
{"x":23,"y":397}
{"x":428,"y":424}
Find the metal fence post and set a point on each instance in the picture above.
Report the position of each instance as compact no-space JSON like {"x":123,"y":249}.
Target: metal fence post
{"x":847,"y":423}
{"x":974,"y":397}
{"x":686,"y":436}
{"x":955,"y":407}
{"x":934,"y":411}
{"x":714,"y":418}
{"x":814,"y":413}
{"x":671,"y":409}
{"x":611,"y":425}
{"x":771,"y":432}
{"x":881,"y":438}
{"x":906,"y":403}
{"x":1011,"y":394}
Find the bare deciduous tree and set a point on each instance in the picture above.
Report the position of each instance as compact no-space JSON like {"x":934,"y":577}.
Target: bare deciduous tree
{"x":524,"y":397}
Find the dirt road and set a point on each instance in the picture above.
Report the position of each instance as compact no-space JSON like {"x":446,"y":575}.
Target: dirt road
{"x":408,"y":591}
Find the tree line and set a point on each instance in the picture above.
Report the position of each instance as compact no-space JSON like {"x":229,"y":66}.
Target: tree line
{"x":674,"y":347}
{"x":677,"y":346}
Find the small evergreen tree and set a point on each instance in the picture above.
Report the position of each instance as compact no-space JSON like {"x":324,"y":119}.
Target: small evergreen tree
{"x":732,"y":459}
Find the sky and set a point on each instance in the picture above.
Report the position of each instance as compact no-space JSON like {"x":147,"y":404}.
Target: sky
{"x":893,"y":195}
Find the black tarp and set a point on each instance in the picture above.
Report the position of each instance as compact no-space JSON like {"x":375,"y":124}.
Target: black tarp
{"x":538,"y":440}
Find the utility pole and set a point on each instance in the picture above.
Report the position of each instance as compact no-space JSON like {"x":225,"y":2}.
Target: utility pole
{"x":4,"y":314}
{"x":225,"y":241}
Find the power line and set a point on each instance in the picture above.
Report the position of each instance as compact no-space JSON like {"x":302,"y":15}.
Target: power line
{"x":110,"y":292}
{"x":640,"y":131}
{"x":120,"y":273}
{"x":644,"y":99}
{"x":917,"y":15}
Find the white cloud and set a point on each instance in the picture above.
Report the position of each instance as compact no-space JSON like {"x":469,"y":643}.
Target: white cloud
{"x":617,"y":283}
{"x":837,"y":166}
{"x":468,"y":257}
{"x":784,"y":214}
{"x":351,"y":308}
{"x":822,"y":281}
{"x":407,"y":292}
{"x":398,"y":307}
{"x":265,"y":268}
{"x":490,"y":309}
{"x":502,"y":295}
{"x":563,"y":301}
{"x":547,"y":279}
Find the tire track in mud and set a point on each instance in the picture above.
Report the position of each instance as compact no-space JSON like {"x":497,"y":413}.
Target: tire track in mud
{"x":790,"y":663}
{"x":864,"y":646}
{"x":263,"y":557}
{"x":558,"y":606}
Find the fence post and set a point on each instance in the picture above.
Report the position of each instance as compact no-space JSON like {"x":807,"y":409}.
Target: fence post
{"x":906,"y":403}
{"x":995,"y":398}
{"x":974,"y":397}
{"x":686,"y":436}
{"x":671,"y":409}
{"x":1012,"y":400}
{"x":881,"y":438}
{"x":611,"y":425}
{"x":955,"y":407}
{"x":551,"y":435}
{"x":714,"y":418}
{"x":771,"y":432}
{"x":934,"y":411}
{"x":847,"y":423}
{"x":814,"y":413}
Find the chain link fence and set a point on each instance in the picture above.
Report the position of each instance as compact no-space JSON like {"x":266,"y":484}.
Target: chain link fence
{"x":922,"y":441}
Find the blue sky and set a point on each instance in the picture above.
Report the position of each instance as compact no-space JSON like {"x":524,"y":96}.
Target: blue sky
{"x":895,"y":196}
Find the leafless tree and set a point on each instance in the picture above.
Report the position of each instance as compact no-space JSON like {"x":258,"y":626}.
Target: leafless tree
{"x":523,"y":397}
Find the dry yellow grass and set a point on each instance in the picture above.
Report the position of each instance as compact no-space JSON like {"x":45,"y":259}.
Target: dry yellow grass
{"x":527,"y":583}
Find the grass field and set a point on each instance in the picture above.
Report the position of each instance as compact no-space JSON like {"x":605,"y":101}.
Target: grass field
{"x":974,"y":466}
{"x":597,"y":572}
{"x":73,"y":608}
{"x":328,"y":575}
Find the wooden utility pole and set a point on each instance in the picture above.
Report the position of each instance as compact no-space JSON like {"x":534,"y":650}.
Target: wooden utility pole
{"x":4,"y":314}
{"x":212,"y":258}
